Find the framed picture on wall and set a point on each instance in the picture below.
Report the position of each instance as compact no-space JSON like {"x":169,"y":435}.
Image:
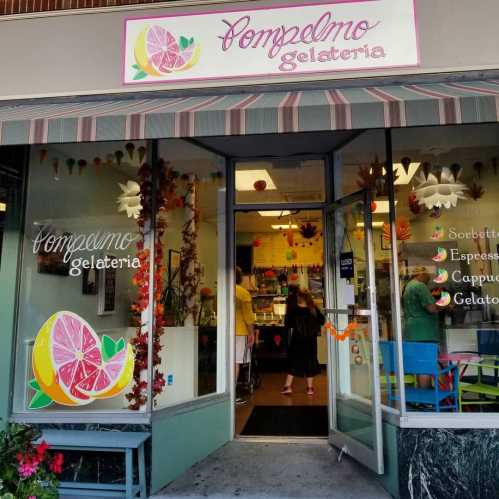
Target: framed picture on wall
{"x":52,"y":262}
{"x":90,"y":282}
{"x":107,"y":290}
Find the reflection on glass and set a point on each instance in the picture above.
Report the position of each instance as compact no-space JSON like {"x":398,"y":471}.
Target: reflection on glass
{"x":280,"y":181}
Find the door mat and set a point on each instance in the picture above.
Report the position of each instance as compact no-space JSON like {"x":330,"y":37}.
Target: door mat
{"x":288,"y":421}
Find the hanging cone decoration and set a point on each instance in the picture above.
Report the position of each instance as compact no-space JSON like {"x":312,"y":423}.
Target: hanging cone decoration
{"x":426,"y":168}
{"x":98,"y":164}
{"x":81,"y":166}
{"x":494,"y":165}
{"x":455,"y":168}
{"x":142,"y":153}
{"x":81,"y":163}
{"x":406,"y":163}
{"x":290,"y":237}
{"x":43,"y":155}
{"x":478,"y":167}
{"x":130,"y":149}
{"x":414,"y":205}
{"x":55,"y":168}
{"x":119,"y":156}
{"x":476,"y":191}
{"x":70,"y":163}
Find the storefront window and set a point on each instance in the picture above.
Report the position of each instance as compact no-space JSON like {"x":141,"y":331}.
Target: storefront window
{"x":191,"y":249}
{"x":448,"y":247}
{"x":280,"y":181}
{"x":81,"y":312}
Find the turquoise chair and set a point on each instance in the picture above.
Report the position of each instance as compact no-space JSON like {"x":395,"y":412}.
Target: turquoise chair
{"x":420,"y":359}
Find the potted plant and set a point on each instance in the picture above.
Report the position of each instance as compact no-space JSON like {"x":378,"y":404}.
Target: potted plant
{"x":27,"y":470}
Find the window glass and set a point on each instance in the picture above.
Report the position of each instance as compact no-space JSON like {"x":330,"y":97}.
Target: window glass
{"x":361,"y":165}
{"x":191,"y":249}
{"x":81,"y":313}
{"x":280,"y":181}
{"x":448,"y":247}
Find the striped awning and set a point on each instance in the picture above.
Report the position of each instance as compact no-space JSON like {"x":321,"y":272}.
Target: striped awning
{"x":246,"y":114}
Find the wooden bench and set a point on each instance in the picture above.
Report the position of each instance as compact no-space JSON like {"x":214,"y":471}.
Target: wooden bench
{"x":103,"y":441}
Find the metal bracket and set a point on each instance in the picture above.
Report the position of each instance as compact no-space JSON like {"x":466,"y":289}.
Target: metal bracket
{"x":344,"y":450}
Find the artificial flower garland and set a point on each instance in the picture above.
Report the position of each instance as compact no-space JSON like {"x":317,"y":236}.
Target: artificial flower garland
{"x":189,"y":269}
{"x":165,"y":201}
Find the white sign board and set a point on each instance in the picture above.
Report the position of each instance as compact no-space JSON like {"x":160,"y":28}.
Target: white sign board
{"x":342,"y":35}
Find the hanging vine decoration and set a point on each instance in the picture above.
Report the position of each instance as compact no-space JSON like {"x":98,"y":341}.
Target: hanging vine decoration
{"x":189,"y":268}
{"x":166,"y":188}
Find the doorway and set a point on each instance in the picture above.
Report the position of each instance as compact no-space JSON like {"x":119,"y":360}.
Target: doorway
{"x":279,"y":252}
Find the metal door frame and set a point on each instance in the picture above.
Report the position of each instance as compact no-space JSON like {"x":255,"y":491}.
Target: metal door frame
{"x":372,"y":458}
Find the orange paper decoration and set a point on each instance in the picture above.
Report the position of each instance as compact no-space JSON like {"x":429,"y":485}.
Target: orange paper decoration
{"x":402,"y":229}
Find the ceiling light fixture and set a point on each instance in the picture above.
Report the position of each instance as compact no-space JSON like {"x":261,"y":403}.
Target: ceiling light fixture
{"x":376,"y":225}
{"x":274,"y":213}
{"x":3,"y":207}
{"x":383,"y":206}
{"x":284,"y":226}
{"x":245,"y":180}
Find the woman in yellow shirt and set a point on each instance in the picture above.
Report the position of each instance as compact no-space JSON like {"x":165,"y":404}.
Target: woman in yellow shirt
{"x":245,"y":335}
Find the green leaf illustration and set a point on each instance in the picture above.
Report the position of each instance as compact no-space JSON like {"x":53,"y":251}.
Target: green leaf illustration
{"x":40,"y":400}
{"x":120,"y":345}
{"x":34,"y":384}
{"x":184,"y":43}
{"x":136,"y":66}
{"x":191,"y":41}
{"x":108,"y":348}
{"x":140,"y":75}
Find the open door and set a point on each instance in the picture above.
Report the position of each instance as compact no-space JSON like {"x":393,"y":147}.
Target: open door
{"x":355,"y":412}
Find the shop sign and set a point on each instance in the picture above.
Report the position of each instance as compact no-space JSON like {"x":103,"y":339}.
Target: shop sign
{"x":62,"y":248}
{"x":346,"y":265}
{"x":342,"y":35}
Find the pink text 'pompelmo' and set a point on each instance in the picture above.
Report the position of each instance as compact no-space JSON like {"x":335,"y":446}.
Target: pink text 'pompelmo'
{"x":325,"y":29}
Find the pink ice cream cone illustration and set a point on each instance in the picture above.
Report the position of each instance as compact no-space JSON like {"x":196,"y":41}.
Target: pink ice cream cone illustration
{"x":444,"y":299}
{"x":441,"y":255}
{"x":442,"y":276}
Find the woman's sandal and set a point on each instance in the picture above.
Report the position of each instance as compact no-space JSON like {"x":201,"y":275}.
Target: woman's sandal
{"x":310,"y":391}
{"x":287,"y":390}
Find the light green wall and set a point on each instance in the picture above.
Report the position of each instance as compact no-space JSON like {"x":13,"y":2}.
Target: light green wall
{"x":181,"y":440}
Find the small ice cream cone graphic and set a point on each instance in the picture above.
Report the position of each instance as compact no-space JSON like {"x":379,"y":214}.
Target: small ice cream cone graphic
{"x":441,"y":255}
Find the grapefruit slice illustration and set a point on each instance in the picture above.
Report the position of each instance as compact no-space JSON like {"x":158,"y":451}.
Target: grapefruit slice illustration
{"x":157,"y":52}
{"x":441,"y":255}
{"x":112,"y":377}
{"x":444,"y":299}
{"x":442,"y":276}
{"x":66,"y":351}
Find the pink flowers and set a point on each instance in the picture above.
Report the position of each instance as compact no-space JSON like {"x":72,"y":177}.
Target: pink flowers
{"x":56,"y":463}
{"x":29,"y":461}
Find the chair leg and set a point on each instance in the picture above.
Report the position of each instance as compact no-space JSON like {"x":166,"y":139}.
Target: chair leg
{"x":129,"y":474}
{"x":142,"y":472}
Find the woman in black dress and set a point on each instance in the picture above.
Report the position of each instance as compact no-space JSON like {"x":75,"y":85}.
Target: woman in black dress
{"x":304,"y":321}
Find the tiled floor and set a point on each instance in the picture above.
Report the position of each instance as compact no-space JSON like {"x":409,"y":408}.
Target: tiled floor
{"x":269,"y":394}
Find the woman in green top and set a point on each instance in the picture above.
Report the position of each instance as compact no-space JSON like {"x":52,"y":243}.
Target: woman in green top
{"x":420,"y":314}
{"x":420,"y":311}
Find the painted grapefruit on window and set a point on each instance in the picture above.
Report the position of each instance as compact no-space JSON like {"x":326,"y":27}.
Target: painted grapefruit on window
{"x":112,"y":377}
{"x":158,"y":52}
{"x":66,"y":352}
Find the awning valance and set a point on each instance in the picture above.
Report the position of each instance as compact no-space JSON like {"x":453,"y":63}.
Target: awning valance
{"x":246,"y":114}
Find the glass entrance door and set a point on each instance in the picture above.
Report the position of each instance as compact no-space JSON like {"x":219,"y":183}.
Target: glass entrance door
{"x":352,"y":323}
